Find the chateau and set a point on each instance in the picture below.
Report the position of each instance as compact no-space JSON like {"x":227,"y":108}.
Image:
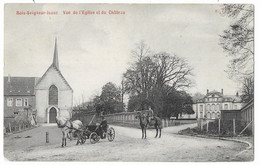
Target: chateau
{"x":211,"y":105}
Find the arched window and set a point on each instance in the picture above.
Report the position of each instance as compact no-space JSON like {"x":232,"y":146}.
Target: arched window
{"x":217,"y":107}
{"x":212,"y":107}
{"x":213,"y":116}
{"x":208,"y":115}
{"x":53,"y":95}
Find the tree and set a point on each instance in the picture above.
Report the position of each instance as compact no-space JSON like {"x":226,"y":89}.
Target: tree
{"x":238,"y":42}
{"x":152,"y":77}
{"x":178,"y":102}
{"x":110,"y":99}
{"x":172,"y":72}
{"x":247,"y":89}
{"x":197,"y":96}
{"x":138,"y":77}
{"x":238,"y":39}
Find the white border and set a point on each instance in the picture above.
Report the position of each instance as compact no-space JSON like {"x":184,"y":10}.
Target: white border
{"x":257,"y":64}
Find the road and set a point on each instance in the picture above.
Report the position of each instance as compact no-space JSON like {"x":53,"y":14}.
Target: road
{"x":127,"y":146}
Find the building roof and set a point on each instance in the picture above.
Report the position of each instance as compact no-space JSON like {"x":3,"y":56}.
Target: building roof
{"x":19,"y":86}
{"x":55,"y":65}
{"x":59,"y":72}
{"x":227,"y":98}
{"x":55,"y":62}
{"x":233,"y":98}
{"x":215,"y":93}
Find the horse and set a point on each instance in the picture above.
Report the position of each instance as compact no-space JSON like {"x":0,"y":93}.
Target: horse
{"x":157,"y":122}
{"x":67,"y":127}
{"x":143,"y":123}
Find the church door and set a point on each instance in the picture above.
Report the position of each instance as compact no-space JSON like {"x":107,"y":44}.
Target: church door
{"x":52,"y":115}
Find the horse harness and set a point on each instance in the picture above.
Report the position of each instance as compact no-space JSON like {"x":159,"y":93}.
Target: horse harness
{"x":65,"y":125}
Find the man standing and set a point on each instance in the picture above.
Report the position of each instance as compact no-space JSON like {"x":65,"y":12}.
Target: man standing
{"x":103,"y":126}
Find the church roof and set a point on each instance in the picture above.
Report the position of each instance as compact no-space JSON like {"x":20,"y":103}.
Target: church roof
{"x":55,"y":62}
{"x":19,"y":86}
{"x":55,"y":65}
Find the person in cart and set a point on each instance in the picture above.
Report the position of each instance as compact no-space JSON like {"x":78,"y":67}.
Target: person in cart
{"x":103,"y":127}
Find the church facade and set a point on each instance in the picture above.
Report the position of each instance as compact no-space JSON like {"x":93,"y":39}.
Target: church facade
{"x":50,"y":95}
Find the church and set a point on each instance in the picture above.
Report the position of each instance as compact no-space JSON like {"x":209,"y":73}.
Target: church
{"x":48,"y":96}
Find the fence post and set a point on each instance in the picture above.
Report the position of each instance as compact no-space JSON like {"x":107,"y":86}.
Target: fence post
{"x":219,"y":126}
{"x":47,"y":137}
{"x":201,"y":124}
{"x":234,"y":127}
{"x":163,"y":123}
{"x":10,"y":128}
{"x":207,"y":125}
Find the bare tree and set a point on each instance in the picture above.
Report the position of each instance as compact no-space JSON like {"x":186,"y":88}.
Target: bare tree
{"x":247,"y":89}
{"x":172,"y":72}
{"x":238,"y":39}
{"x":151,"y":77}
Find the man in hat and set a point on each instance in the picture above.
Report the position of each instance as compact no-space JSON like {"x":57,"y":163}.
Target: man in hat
{"x":103,"y":127}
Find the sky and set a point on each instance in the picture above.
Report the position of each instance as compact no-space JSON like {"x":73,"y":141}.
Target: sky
{"x":96,"y":49}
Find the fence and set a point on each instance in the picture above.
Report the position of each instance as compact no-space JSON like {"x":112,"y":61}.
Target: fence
{"x":247,"y":115}
{"x":12,"y":126}
{"x":223,"y":127}
{"x":127,"y":119}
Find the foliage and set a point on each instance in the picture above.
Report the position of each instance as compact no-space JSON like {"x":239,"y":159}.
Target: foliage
{"x":109,"y":100}
{"x":197,"y":96}
{"x":152,"y":77}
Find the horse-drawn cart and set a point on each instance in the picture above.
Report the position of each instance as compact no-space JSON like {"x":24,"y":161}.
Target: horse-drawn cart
{"x":95,"y":132}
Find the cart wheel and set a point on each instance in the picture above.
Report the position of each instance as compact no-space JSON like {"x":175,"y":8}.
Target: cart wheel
{"x":94,"y":137}
{"x":111,"y":134}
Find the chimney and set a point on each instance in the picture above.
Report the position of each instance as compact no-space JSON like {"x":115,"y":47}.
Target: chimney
{"x":207,"y":91}
{"x":222,"y":91}
{"x":237,"y":94}
{"x":9,"y":78}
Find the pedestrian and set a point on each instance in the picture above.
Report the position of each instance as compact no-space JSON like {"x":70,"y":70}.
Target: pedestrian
{"x":103,"y":127}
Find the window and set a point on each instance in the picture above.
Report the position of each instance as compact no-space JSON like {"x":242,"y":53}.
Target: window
{"x":9,"y":102}
{"x":19,"y":102}
{"x":212,"y":107}
{"x":213,"y":116}
{"x":226,"y":106}
{"x":217,"y":107}
{"x":201,"y":107}
{"x":208,"y":115}
{"x":235,"y":106}
{"x":25,"y":102}
{"x":53,"y":95}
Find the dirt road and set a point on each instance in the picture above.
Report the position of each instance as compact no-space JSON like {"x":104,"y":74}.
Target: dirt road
{"x":127,"y":146}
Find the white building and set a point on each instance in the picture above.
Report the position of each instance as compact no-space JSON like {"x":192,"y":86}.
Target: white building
{"x":53,"y":94}
{"x":211,"y":105}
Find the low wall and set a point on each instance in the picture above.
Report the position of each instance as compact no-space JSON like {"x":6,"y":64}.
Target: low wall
{"x":126,"y":119}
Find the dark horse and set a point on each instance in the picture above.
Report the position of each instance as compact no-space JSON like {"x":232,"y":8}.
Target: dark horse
{"x":157,"y":122}
{"x":143,"y":123}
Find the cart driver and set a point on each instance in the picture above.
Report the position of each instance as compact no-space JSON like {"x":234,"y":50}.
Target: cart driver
{"x":103,"y":125}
